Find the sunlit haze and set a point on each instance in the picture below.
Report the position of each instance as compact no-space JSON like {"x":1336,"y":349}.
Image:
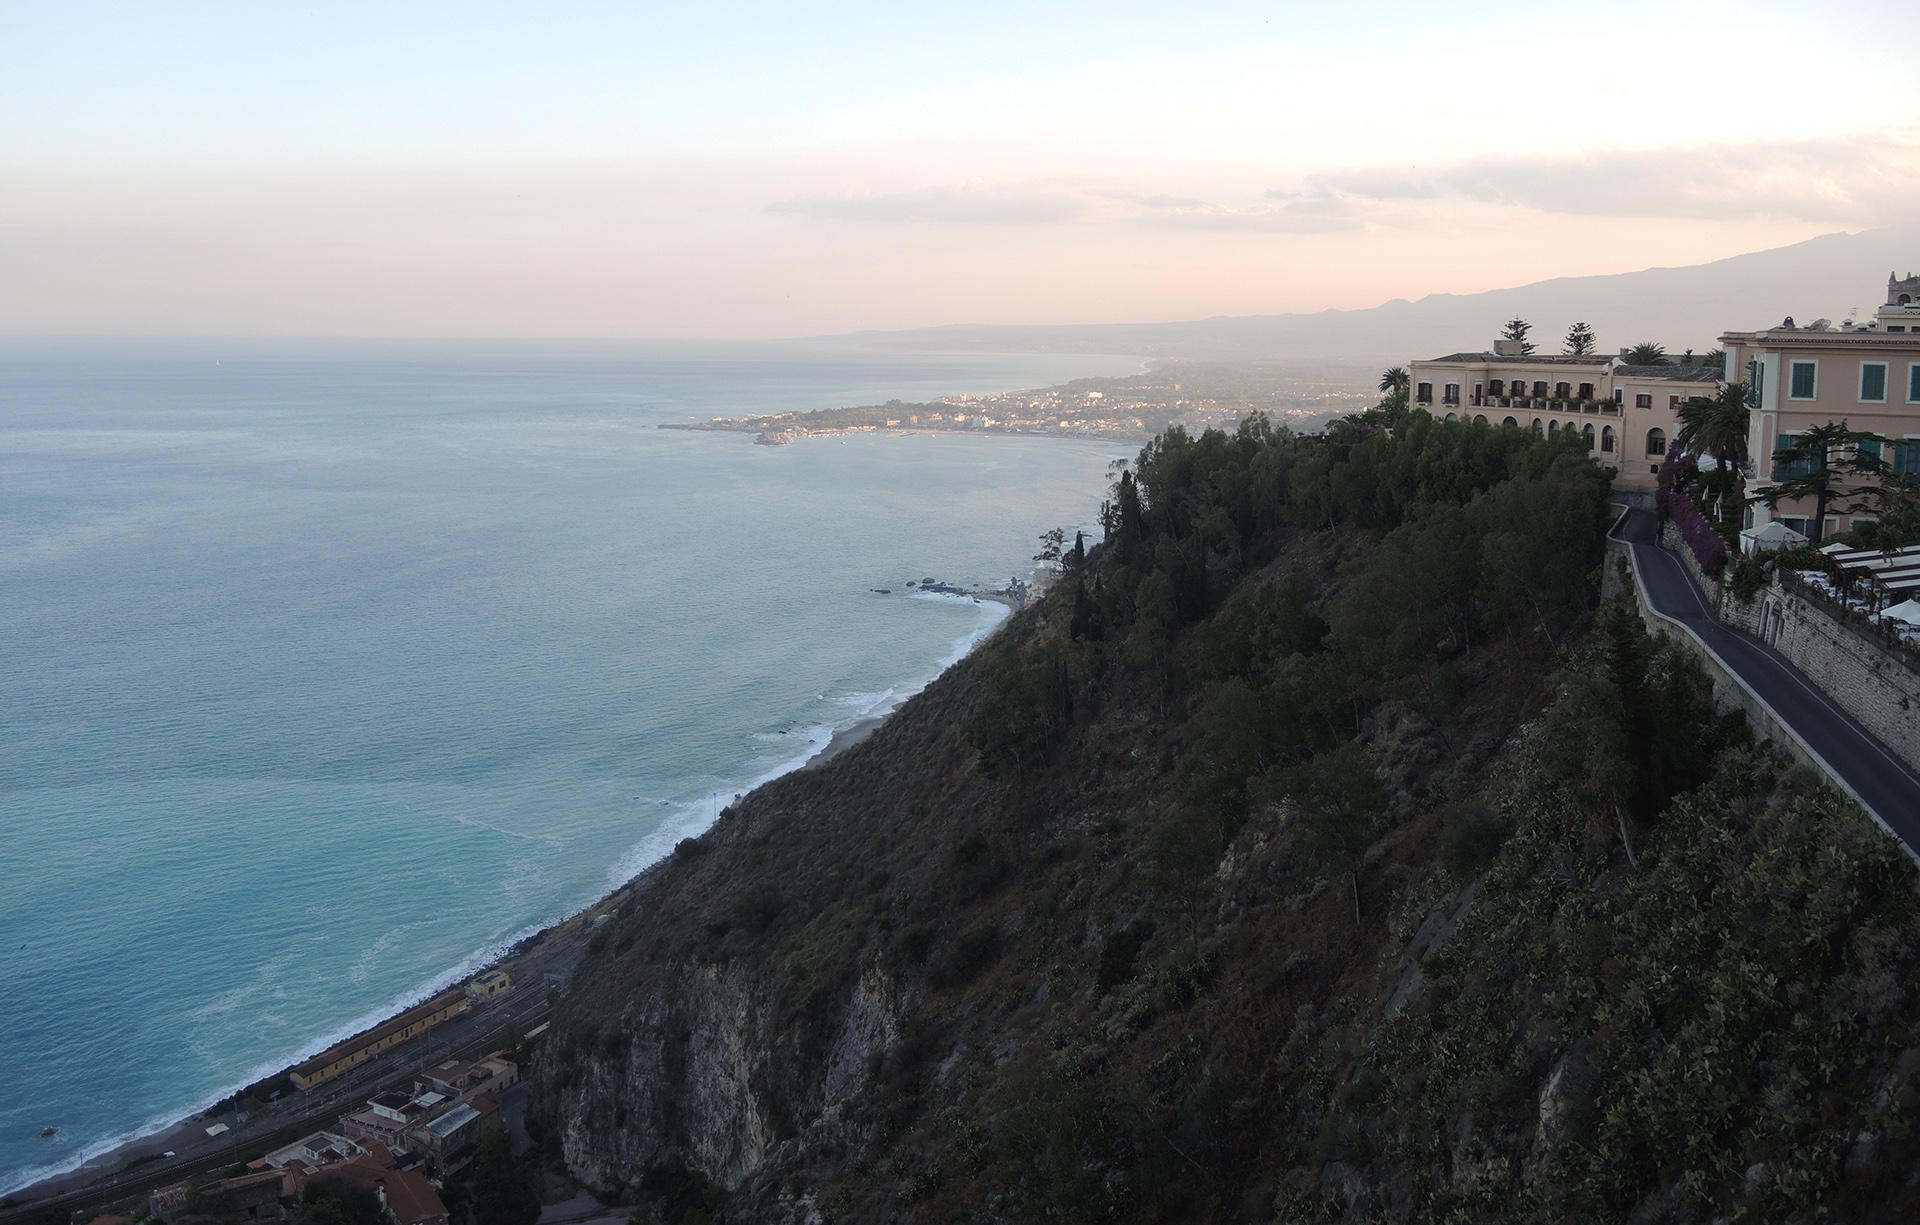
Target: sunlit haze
{"x":748,"y":170}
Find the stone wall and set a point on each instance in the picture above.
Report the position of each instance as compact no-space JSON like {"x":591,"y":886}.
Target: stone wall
{"x":1862,"y":677}
{"x":1673,"y":542}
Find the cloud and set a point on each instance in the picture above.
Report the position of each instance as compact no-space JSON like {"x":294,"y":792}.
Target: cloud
{"x":1862,"y":178}
{"x":967,"y":204}
{"x":1084,"y":203}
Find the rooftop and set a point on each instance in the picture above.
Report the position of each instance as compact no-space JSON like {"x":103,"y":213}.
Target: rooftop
{"x":452,"y":1121}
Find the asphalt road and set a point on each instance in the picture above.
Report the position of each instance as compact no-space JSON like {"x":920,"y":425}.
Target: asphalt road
{"x":1882,"y":783}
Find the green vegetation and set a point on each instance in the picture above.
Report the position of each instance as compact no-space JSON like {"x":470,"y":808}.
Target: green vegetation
{"x":1647,"y":353}
{"x":1320,"y":848}
{"x":1580,"y":341}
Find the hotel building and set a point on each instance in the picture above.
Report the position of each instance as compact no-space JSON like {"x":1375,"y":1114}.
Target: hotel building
{"x":1866,"y":375}
{"x":1627,"y":413}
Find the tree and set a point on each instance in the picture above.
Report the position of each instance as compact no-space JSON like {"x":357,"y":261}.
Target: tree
{"x":1051,"y":542}
{"x":1517,"y":329}
{"x":1395,"y":379}
{"x":1647,"y":353}
{"x":503,"y":1192}
{"x":1341,"y":803}
{"x":1818,"y":466}
{"x":1580,"y":340}
{"x":1717,"y":426}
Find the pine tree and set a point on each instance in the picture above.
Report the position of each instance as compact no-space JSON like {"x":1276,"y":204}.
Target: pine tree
{"x":1580,"y":340}
{"x":1517,"y":329}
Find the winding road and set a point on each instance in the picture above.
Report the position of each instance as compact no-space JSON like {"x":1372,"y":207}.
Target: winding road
{"x":1880,"y":782}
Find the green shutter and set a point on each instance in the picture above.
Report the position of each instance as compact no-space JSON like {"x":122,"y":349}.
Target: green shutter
{"x":1913,"y":383}
{"x":1803,"y":380}
{"x":1873,"y":381}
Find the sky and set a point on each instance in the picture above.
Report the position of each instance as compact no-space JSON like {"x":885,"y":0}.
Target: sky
{"x":746,"y":170}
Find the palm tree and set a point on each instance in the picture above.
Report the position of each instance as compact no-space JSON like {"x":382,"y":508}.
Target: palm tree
{"x":1717,"y":426}
{"x":1647,"y":353}
{"x":1395,"y":379}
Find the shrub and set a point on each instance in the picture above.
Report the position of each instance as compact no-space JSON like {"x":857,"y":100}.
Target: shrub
{"x":1707,"y":547}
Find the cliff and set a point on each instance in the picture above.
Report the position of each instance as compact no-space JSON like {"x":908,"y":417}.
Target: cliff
{"x":1318,"y":848}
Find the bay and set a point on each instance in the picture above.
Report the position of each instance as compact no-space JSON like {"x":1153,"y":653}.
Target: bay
{"x":329,"y":669}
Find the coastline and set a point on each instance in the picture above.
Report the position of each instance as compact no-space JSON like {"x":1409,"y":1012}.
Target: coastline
{"x":117,"y":1170}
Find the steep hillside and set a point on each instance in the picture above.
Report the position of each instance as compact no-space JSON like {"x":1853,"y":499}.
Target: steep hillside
{"x":1321,"y":848}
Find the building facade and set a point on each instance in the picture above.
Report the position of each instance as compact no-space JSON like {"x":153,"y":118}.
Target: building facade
{"x":1866,"y":375}
{"x":1628,"y":414}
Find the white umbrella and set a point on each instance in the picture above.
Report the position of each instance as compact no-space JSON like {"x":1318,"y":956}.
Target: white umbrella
{"x":1769,"y":536}
{"x":1907,"y":612}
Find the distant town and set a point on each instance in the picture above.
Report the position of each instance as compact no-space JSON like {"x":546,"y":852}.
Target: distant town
{"x":1129,"y":409}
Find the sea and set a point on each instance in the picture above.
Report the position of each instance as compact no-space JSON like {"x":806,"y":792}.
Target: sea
{"x":330,"y":669}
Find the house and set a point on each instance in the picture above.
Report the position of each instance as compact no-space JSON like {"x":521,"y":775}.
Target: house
{"x":406,"y":1195}
{"x":1866,"y":375}
{"x":1627,"y":413}
{"x":488,"y":986}
{"x":459,"y":1080}
{"x":251,"y":1197}
{"x":451,"y":1140}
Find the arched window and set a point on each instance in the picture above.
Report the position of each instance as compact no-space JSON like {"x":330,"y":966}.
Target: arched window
{"x":1656,"y":442}
{"x":1510,"y":421}
{"x":1453,"y":416}
{"x":1536,"y":425}
{"x":1606,"y":439}
{"x":1552,"y":426}
{"x":1479,"y":419}
{"x":1905,"y":299}
{"x":1586,"y":432}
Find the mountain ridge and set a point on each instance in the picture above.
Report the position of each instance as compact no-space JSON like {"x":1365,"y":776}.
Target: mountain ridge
{"x":1681,"y":306}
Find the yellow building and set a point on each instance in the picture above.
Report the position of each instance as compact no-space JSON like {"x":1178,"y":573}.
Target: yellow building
{"x":370,"y":1043}
{"x":1865,"y":375}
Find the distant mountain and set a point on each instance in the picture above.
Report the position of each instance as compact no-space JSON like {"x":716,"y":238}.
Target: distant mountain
{"x":1681,"y":308}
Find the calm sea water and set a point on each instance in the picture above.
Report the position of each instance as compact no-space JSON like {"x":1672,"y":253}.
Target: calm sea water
{"x":328,"y":670}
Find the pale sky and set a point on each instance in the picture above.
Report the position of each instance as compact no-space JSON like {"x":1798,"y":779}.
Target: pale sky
{"x":749,"y":170}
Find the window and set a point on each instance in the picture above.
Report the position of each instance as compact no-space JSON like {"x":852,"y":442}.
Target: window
{"x":1512,"y":422}
{"x":1540,"y":389}
{"x":1562,"y":390}
{"x":1619,"y":396}
{"x":1795,"y":468}
{"x":1606,"y":439}
{"x":1479,"y":419}
{"x":1904,"y":456}
{"x":1498,"y":387}
{"x":1873,"y":382}
{"x":1453,"y":393}
{"x":1453,"y":416}
{"x":1673,"y":403}
{"x":1586,"y":432}
{"x":1804,"y":382}
{"x":1913,"y":383}
{"x":1656,"y":442}
{"x":1643,"y":400}
{"x":1536,"y":425}
{"x":1425,"y":394}
{"x":1586,"y":391}
{"x":1552,"y":426}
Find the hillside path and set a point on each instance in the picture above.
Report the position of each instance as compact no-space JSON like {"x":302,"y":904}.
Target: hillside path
{"x":1881,"y":782}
